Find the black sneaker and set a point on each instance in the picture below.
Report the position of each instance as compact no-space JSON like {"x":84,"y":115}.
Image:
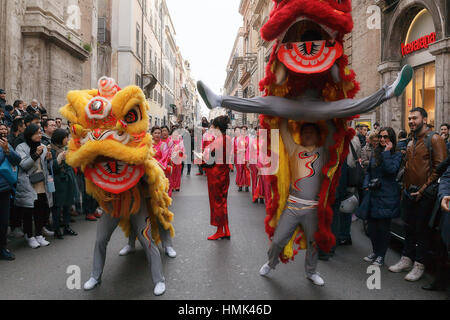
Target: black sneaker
{"x":240,"y":189}
{"x":379,"y":262}
{"x":261,"y":201}
{"x":247,"y":189}
{"x":5,"y":254}
{"x":370,"y":258}
{"x":69,"y":232}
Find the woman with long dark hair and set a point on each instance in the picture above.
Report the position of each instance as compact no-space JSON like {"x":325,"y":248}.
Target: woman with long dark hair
{"x":384,"y":193}
{"x":218,"y":175}
{"x":32,"y":196}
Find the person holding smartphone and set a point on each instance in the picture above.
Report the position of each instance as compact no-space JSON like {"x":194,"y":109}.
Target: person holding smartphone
{"x":32,"y":196}
{"x":384,"y":194}
{"x":7,"y":153}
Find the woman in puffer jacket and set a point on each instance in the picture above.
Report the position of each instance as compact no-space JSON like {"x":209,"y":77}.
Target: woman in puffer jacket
{"x":32,"y":196}
{"x":384,"y":191}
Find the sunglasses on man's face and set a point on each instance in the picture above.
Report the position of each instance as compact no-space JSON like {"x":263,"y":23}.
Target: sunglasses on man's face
{"x":383,"y":137}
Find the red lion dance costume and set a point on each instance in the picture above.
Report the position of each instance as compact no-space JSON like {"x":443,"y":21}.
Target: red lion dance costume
{"x":307,"y":83}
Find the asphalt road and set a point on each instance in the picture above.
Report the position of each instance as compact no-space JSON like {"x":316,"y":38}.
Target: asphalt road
{"x":225,"y":270}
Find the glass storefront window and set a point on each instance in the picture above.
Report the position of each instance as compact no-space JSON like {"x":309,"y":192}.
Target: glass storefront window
{"x":419,"y":87}
{"x":421,"y":92}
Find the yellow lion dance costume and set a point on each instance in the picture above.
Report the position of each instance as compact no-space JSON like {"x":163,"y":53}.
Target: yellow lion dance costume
{"x":111,"y":144}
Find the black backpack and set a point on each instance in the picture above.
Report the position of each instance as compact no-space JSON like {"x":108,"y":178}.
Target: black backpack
{"x":356,"y":174}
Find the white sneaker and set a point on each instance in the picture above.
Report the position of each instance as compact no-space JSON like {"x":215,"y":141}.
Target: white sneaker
{"x":47,"y":232}
{"x":127,"y":250}
{"x":416,"y":273}
{"x":41,"y":240}
{"x":160,"y":288}
{"x":32,"y":242}
{"x":265,"y":270}
{"x":171,"y":252}
{"x":405,"y":264}
{"x":91,"y":284}
{"x":316,"y":279}
{"x":17,"y":233}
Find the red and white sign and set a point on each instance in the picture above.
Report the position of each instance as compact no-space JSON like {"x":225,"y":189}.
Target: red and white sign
{"x":418,"y":44}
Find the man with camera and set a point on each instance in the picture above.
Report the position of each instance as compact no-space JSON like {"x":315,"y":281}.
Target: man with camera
{"x":425,"y":152}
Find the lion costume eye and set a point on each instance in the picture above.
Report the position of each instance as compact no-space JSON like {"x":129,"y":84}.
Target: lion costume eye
{"x":133,"y":116}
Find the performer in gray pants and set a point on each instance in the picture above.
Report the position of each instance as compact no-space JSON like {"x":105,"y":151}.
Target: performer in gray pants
{"x":140,"y":225}
{"x":306,"y":161}
{"x":166,"y":241}
{"x":289,"y":221}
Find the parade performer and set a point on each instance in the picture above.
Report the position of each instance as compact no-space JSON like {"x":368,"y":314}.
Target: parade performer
{"x":177,"y":159}
{"x":253,"y":157}
{"x":167,"y":146}
{"x":163,"y":157}
{"x":308,"y":95}
{"x":241,"y":160}
{"x":218,"y":175}
{"x":111,"y":145}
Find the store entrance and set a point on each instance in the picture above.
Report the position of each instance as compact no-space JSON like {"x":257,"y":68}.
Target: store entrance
{"x":421,"y":93}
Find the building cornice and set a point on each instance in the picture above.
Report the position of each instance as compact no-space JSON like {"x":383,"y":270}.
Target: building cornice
{"x":440,"y":47}
{"x":56,"y":38}
{"x":389,"y":66}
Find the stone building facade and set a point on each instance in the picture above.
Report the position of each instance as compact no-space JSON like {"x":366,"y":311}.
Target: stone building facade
{"x":249,"y":57}
{"x":45,"y":50}
{"x":143,"y":46}
{"x":374,"y":48}
{"x":235,"y":70}
{"x":409,"y":22}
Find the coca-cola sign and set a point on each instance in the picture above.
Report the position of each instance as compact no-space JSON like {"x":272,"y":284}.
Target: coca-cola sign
{"x":418,"y":44}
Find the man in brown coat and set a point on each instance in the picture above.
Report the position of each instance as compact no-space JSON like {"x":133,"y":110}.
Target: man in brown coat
{"x":418,"y":199}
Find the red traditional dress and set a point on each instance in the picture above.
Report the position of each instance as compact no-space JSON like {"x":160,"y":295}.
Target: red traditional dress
{"x":253,"y":158}
{"x":241,"y":160}
{"x":167,"y":148}
{"x":218,"y":182}
{"x":177,"y":160}
{"x":264,"y":185}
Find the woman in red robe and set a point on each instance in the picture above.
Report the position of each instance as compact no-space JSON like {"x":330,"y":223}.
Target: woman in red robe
{"x":161,"y":151}
{"x":218,"y":175}
{"x":167,"y":148}
{"x":241,"y":161}
{"x":177,"y":157}
{"x":253,"y":158}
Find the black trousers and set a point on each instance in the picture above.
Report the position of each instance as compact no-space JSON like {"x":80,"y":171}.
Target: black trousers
{"x":16,"y":217}
{"x":39,"y":213}
{"x":4,"y":216}
{"x":418,"y":233}
{"x":380,"y":235}
{"x":189,"y":167}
